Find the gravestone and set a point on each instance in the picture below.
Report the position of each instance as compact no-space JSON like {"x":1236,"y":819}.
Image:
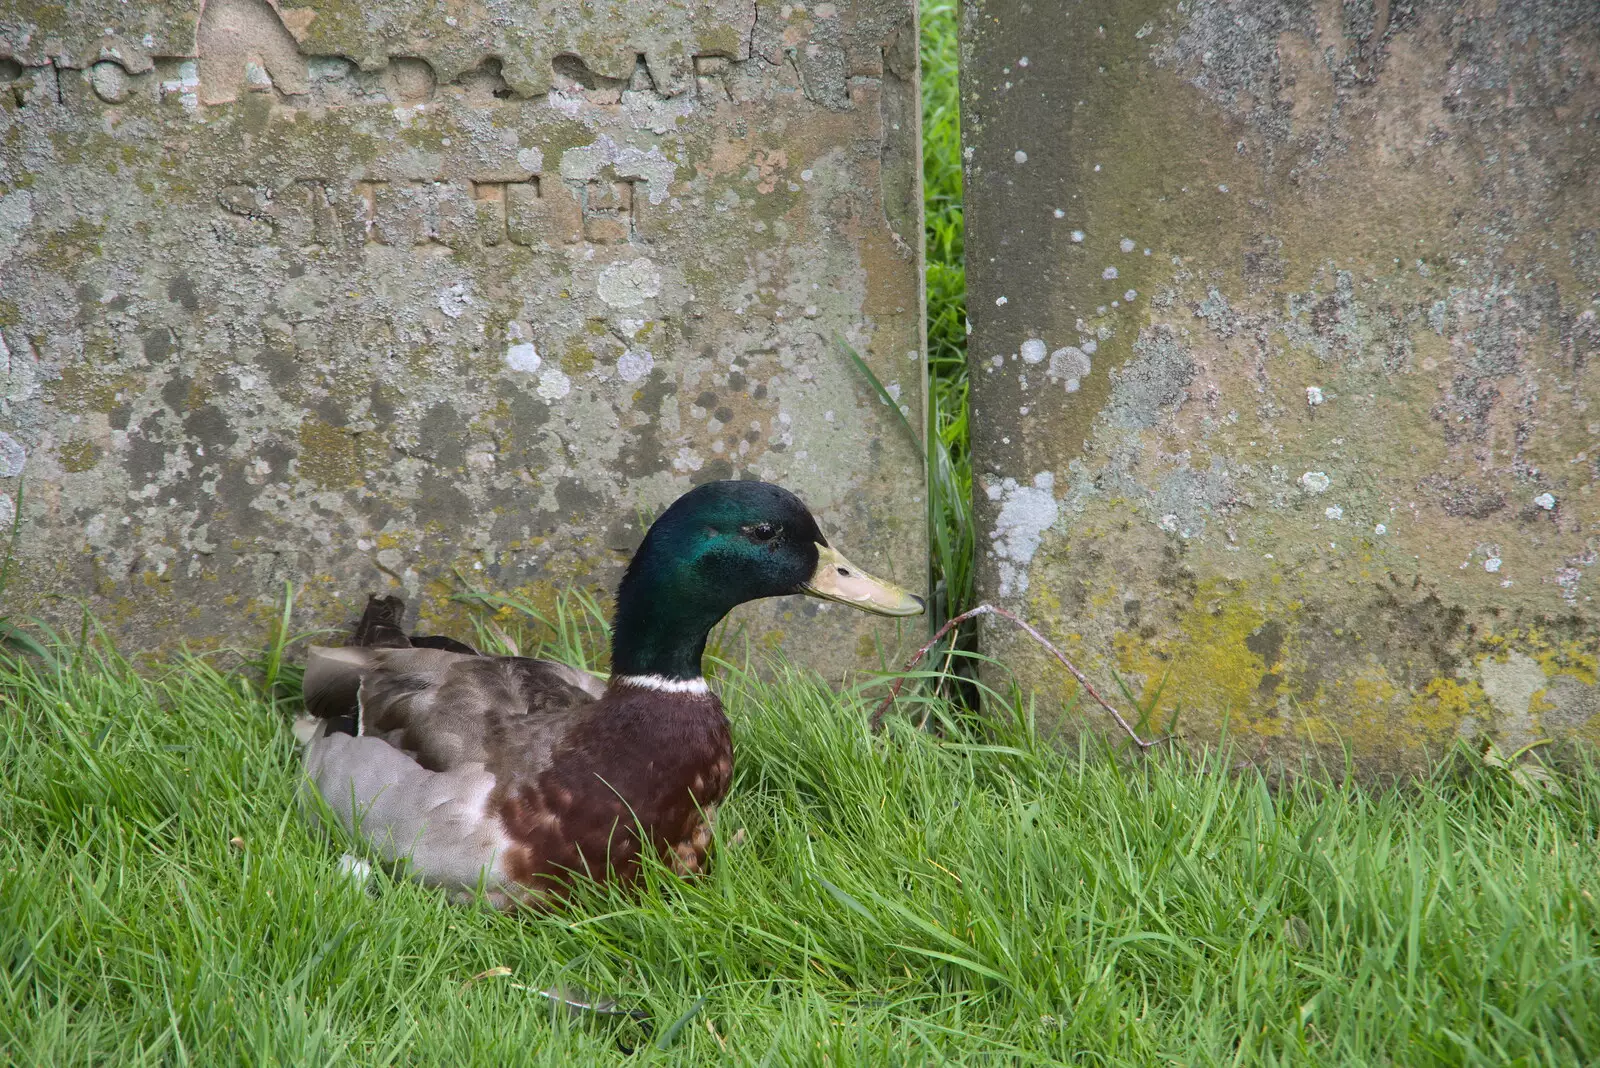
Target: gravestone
{"x":418,"y":298}
{"x":1284,"y":347}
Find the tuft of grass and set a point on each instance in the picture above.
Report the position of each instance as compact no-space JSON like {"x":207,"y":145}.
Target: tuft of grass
{"x":949,"y":455}
{"x":970,"y":894}
{"x":14,"y":638}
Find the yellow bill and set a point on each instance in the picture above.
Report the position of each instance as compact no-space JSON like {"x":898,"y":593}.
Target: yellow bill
{"x":837,"y":579}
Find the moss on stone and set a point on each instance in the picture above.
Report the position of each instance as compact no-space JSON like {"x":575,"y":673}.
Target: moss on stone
{"x":79,"y":456}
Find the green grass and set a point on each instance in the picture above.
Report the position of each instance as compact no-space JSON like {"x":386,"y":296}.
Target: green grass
{"x":950,"y":461}
{"x":973,"y":894}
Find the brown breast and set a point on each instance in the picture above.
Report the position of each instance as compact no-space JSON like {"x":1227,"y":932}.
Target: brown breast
{"x":640,"y":766}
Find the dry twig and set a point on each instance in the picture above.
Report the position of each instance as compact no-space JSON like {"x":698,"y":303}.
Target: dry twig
{"x":991,"y":610}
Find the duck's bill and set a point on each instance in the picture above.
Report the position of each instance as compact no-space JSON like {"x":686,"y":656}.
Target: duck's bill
{"x":837,"y":579}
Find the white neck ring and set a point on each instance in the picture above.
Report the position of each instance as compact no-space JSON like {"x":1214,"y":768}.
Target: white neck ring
{"x":661,"y":684}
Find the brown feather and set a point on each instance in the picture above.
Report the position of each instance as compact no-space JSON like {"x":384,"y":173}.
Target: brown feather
{"x":381,"y":624}
{"x":640,"y":760}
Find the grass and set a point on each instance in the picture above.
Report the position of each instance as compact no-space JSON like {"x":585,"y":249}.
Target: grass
{"x":950,"y":460}
{"x":973,"y":894}
{"x":968,"y":894}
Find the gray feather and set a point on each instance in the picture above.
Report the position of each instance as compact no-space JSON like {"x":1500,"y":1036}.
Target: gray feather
{"x":437,"y":821}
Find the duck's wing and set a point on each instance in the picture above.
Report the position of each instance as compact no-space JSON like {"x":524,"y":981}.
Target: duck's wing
{"x":417,"y":778}
{"x":445,"y":708}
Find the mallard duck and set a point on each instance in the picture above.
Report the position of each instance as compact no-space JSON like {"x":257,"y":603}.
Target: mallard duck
{"x":509,"y":776}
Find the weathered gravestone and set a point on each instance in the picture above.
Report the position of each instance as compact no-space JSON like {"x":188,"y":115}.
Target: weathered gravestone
{"x":1286,"y":365}
{"x":372,"y":296}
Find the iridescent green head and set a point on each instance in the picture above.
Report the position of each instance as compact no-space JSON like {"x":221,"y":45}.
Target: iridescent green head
{"x":720,"y":545}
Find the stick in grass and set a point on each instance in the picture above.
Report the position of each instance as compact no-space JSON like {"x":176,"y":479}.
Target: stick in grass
{"x":990,"y":610}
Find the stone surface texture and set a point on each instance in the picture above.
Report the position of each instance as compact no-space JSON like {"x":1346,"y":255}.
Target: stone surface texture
{"x":416,"y":296}
{"x":1286,"y":364}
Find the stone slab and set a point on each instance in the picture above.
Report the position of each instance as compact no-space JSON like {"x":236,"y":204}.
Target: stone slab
{"x":1284,"y":349}
{"x":405,"y":296}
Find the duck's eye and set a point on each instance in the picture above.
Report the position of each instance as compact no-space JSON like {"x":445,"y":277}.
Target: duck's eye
{"x":761,"y":532}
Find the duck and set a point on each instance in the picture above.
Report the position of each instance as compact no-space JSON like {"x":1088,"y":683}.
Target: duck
{"x":507,"y":778}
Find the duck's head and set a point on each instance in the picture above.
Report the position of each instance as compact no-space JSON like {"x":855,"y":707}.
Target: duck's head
{"x":720,"y":545}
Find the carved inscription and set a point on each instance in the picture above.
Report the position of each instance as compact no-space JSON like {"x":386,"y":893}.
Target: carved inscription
{"x":301,"y":213}
{"x":517,"y":212}
{"x":29,"y":86}
{"x":420,"y":213}
{"x":247,"y":47}
{"x":608,"y":208}
{"x":244,"y":43}
{"x":711,"y":79}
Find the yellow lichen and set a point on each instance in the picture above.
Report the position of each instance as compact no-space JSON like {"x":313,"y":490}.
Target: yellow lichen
{"x":1443,"y":703}
{"x":331,"y":457}
{"x":1209,"y":666}
{"x":79,"y":455}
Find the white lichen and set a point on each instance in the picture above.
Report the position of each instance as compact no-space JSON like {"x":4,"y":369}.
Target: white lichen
{"x":12,"y":456}
{"x":455,"y":300}
{"x":522,"y":356}
{"x":1567,"y":579}
{"x":553,"y":384}
{"x":1333,"y":511}
{"x":1034,"y":350}
{"x":1314,"y":395}
{"x":184,"y":86}
{"x":16,"y":215}
{"x":1069,"y":365}
{"x":1547,"y":501}
{"x":1315,"y":482}
{"x":634,"y":364}
{"x":1026,"y":512}
{"x":585,"y":164}
{"x":626,"y":285}
{"x":530,"y":160}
